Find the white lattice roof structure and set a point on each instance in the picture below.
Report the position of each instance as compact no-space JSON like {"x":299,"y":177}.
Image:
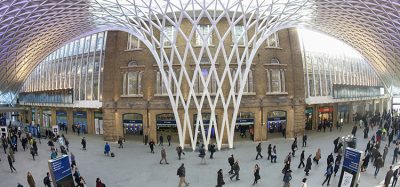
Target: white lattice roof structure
{"x":31,"y":29}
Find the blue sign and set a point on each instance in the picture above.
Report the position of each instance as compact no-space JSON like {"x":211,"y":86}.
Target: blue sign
{"x":61,"y":113}
{"x":60,"y":168}
{"x":245,"y":121}
{"x":352,"y":159}
{"x":80,"y":114}
{"x":166,"y":122}
{"x":133,"y":121}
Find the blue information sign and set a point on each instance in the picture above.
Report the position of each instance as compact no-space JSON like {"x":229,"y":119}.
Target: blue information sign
{"x":60,"y":168}
{"x":352,"y":159}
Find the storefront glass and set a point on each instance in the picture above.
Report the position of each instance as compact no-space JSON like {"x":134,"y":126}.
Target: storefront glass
{"x":80,"y":120}
{"x":61,"y":119}
{"x":133,"y":124}
{"x":206,"y":124}
{"x":276,"y":121}
{"x":309,"y":116}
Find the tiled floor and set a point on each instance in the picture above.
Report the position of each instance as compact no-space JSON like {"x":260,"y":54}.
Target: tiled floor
{"x":136,"y":166}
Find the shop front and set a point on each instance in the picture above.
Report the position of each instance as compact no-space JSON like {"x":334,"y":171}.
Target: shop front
{"x":206,"y":124}
{"x":132,"y":124}
{"x":325,"y":115}
{"x":276,"y":124}
{"x":244,"y":126}
{"x":166,"y":125}
{"x":309,"y":118}
{"x":80,"y":122}
{"x":61,"y":119}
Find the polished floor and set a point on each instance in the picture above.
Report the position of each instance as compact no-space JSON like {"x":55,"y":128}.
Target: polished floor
{"x":136,"y":166}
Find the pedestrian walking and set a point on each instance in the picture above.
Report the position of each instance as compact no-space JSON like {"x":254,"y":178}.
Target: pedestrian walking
{"x":120,"y":142}
{"x":328,"y":174}
{"x":256,"y":174}
{"x":107,"y":149}
{"x":179,"y":151}
{"x":236,"y":169}
{"x":258,"y":149}
{"x":308,"y":165}
{"x":32,"y":151}
{"x":388,"y":177}
{"x":151,"y":145}
{"x":304,"y":182}
{"x":269,"y":151}
{"x":287,"y":178}
{"x":212,"y":150}
{"x":336,"y":168}
{"x":395,"y":154}
{"x":163,"y":155}
{"x":220,"y":178}
{"x":273,"y":155}
{"x":10,"y":163}
{"x":231,"y":161}
{"x":294,"y":148}
{"x":46,"y":180}
{"x":304,"y":140}
{"x":336,"y":142}
{"x":82,"y":182}
{"x":182,"y":173}
{"x":73,"y":162}
{"x":24,"y":141}
{"x":83,"y":142}
{"x":385,"y":152}
{"x":35,"y":148}
{"x":30,"y":179}
{"x":395,"y":177}
{"x":378,"y":164}
{"x":161,"y":140}
{"x":317,"y":156}
{"x":169,"y":139}
{"x":301,"y":160}
{"x":202,"y":154}
{"x":99,"y":183}
{"x":354,"y":130}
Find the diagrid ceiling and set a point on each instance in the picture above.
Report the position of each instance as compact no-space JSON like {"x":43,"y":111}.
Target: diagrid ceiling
{"x":31,"y":29}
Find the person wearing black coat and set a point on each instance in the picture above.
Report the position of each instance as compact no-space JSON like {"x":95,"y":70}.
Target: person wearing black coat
{"x":220,"y":178}
{"x":269,"y":151}
{"x":212,"y":150}
{"x":10,"y":162}
{"x":83,"y":142}
{"x":258,"y":149}
{"x":256,"y":174}
{"x":231,"y":161}
{"x":308,"y":165}
{"x":330,"y":159}
{"x":301,"y":159}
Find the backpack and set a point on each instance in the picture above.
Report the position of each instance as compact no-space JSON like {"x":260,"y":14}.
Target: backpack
{"x":178,"y":172}
{"x":46,"y":181}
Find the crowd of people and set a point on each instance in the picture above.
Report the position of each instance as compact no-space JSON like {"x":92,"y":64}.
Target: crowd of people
{"x":386,"y":133}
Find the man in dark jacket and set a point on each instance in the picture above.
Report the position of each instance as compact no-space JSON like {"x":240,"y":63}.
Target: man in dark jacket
{"x":395,"y":154}
{"x":220,"y":178}
{"x":46,"y":180}
{"x":10,"y":162}
{"x":236,"y":169}
{"x":258,"y":148}
{"x":330,"y":159}
{"x":212,"y":150}
{"x":395,"y":177}
{"x":231,"y":161}
{"x":328,"y":174}
{"x":182,"y":173}
{"x":388,"y":177}
{"x":308,"y":165}
{"x":83,"y":142}
{"x":301,"y":159}
{"x":304,"y":140}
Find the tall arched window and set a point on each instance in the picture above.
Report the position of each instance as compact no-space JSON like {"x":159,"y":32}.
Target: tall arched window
{"x":276,"y":76}
{"x":132,"y":82}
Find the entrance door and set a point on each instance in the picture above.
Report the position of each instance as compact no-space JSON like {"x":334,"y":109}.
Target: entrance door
{"x":166,"y":125}
{"x":276,"y":124}
{"x":244,"y":128}
{"x":133,"y":126}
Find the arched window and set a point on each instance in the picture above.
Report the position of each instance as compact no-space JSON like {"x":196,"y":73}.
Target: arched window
{"x":132,"y":82}
{"x":276,"y":77}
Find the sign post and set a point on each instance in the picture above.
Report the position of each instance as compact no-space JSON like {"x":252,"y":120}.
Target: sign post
{"x":351,"y":168}
{"x":60,"y":172}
